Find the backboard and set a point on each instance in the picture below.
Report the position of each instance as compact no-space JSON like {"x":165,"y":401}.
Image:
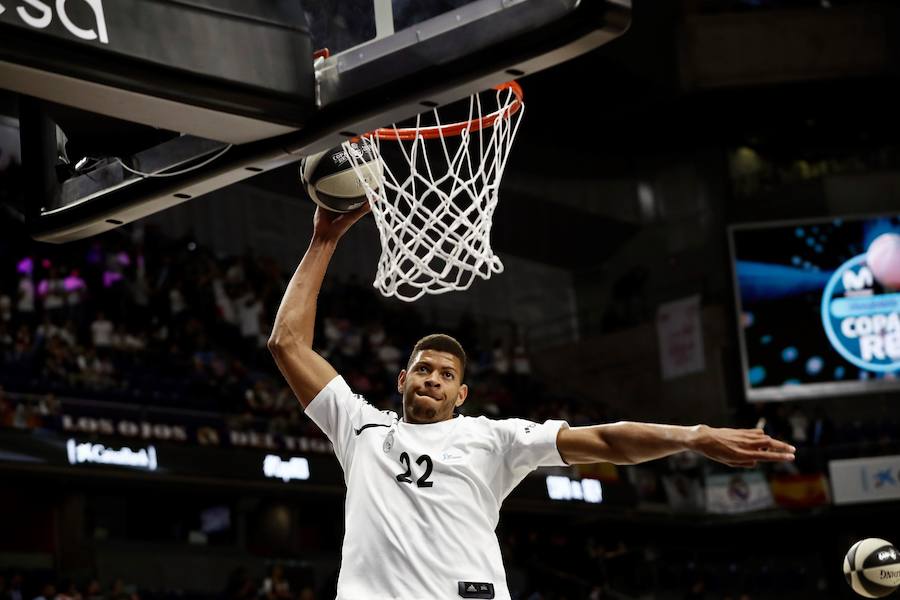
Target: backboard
{"x":226,"y":89}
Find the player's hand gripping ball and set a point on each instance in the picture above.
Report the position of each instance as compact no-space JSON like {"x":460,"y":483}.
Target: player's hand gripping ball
{"x":331,"y":183}
{"x":872,"y":567}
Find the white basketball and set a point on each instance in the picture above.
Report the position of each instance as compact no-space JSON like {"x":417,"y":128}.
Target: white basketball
{"x":872,"y":567}
{"x":331,"y":183}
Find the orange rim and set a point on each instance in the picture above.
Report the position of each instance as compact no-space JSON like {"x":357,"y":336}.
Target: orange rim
{"x":453,"y":129}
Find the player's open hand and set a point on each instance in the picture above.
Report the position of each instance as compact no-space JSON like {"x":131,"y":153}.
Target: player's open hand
{"x":332,"y":225}
{"x":741,"y":447}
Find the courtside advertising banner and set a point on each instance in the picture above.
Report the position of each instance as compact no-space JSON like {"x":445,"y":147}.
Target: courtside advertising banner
{"x":873,"y":479}
{"x":737,"y":493}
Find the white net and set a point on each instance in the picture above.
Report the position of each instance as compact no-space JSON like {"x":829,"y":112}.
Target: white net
{"x":434,"y":213}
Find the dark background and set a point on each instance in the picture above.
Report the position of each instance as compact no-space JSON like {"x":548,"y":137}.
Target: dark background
{"x":630,"y":165}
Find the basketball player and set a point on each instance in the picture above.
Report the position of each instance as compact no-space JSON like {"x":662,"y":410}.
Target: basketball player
{"x":424,"y":488}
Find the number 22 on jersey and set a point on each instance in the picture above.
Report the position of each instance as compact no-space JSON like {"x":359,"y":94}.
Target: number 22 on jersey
{"x":421,"y":481}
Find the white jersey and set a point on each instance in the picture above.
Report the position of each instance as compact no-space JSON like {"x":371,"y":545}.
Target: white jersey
{"x":423,"y":501}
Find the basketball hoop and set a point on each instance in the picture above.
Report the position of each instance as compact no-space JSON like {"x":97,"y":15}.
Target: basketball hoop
{"x":435,"y":219}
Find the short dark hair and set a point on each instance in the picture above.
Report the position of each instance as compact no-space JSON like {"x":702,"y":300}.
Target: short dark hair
{"x":440,"y":342}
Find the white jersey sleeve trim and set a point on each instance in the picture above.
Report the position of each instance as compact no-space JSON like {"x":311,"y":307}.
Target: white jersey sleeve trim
{"x":336,"y":386}
{"x":549,"y":431}
{"x":525,"y":446}
{"x":534,"y":444}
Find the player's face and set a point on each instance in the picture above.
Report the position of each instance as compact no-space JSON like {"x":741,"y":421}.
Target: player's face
{"x":432,"y":387}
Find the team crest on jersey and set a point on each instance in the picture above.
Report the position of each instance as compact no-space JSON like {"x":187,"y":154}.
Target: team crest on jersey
{"x":388,"y":442}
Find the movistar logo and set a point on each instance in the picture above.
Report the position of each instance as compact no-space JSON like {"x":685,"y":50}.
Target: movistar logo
{"x":39,"y":14}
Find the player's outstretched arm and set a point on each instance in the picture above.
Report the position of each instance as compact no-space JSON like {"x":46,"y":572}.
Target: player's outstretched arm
{"x":628,"y":443}
{"x":292,"y":333}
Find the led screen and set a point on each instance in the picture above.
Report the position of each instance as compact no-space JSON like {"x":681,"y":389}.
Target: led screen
{"x":818,"y":306}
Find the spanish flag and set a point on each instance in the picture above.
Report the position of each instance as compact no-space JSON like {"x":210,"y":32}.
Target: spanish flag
{"x":800,"y":491}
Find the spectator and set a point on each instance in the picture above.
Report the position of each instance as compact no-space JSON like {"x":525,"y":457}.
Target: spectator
{"x":177,"y":302}
{"x":7,"y":413}
{"x":130,"y":341}
{"x":70,"y":592}
{"x":75,"y":291}
{"x":59,"y":363}
{"x":240,"y":586}
{"x":47,"y":330}
{"x":6,"y":341}
{"x":821,"y":429}
{"x":499,"y":358}
{"x":140,"y":289}
{"x":224,"y":304}
{"x":376,"y":336}
{"x":351,"y":339}
{"x":275,"y":586}
{"x":521,"y":364}
{"x":51,"y":290}
{"x":120,"y":592}
{"x":90,"y":369}
{"x":69,"y":334}
{"x":102,"y":331}
{"x":25,"y":297}
{"x":48,"y":406}
{"x":250,"y":311}
{"x":697,"y":590}
{"x":390,"y":357}
{"x":5,"y":308}
{"x":118,"y":338}
{"x":23,"y":416}
{"x":259,"y":398}
{"x":799,"y":424}
{"x":93,"y":591}
{"x":332,"y":333}
{"x":15,"y":587}
{"x":48,"y":592}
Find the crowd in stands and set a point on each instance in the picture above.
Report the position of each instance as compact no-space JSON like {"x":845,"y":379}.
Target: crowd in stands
{"x":821,"y":437}
{"x":568,"y":564}
{"x":543,"y":563}
{"x":44,"y":585}
{"x":140,"y":318}
{"x":17,"y":585}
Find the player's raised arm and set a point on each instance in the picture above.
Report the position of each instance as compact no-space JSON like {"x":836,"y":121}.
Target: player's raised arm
{"x":628,"y":443}
{"x":292,"y":333}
